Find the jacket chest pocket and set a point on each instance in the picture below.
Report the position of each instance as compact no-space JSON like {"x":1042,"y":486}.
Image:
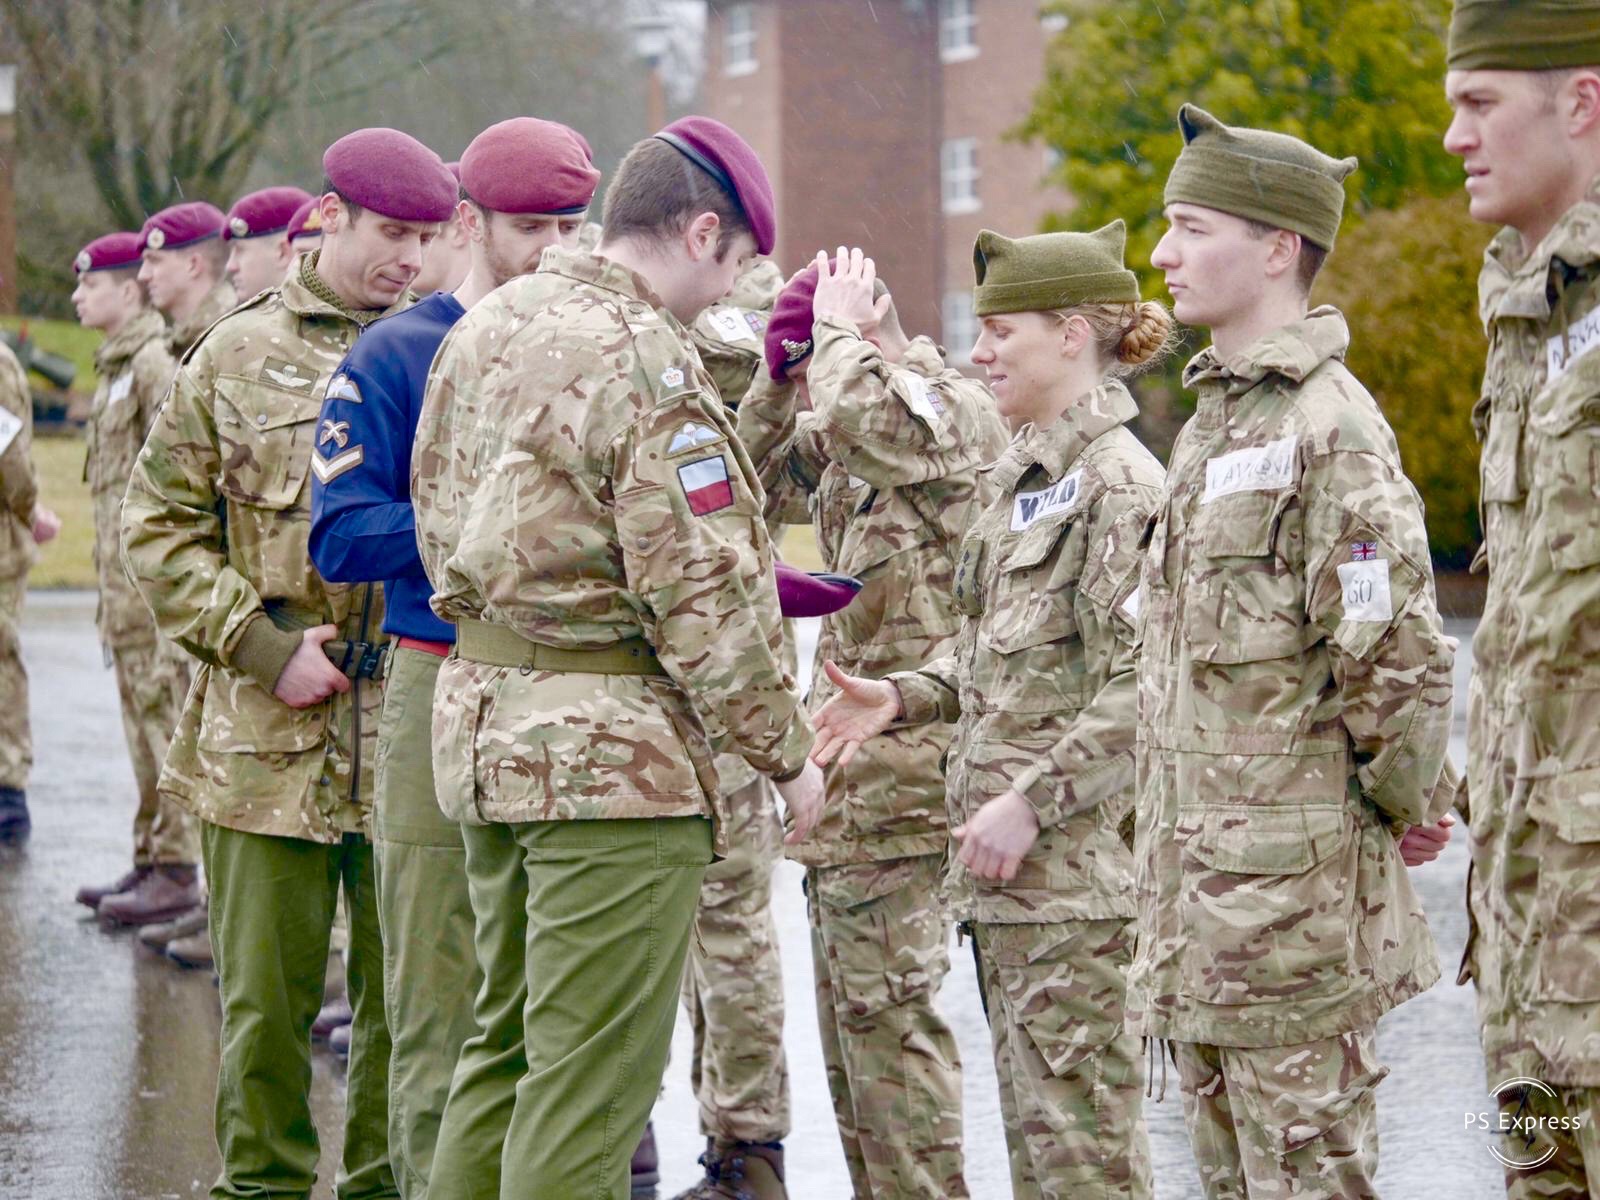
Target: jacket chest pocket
{"x":1565,"y":419}
{"x":1030,"y":627}
{"x":266,"y":439}
{"x":1245,"y":591}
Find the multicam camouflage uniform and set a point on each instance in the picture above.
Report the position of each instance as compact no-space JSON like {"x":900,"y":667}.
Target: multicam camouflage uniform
{"x":18,"y":492}
{"x":215,"y":529}
{"x":1041,"y":683}
{"x":1294,"y":708}
{"x":887,"y":464}
{"x":134,"y":371}
{"x":218,"y":301}
{"x":1533,"y":738}
{"x":582,"y":497}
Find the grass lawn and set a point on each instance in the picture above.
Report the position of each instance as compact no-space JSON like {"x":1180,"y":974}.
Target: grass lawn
{"x":69,"y":560}
{"x":66,"y":338}
{"x":799,"y":548}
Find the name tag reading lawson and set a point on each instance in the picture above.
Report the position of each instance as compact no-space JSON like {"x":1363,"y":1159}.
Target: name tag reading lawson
{"x":1254,"y":469}
{"x":1029,"y":507}
{"x":1366,"y":590}
{"x":10,"y":426}
{"x":1583,"y":335}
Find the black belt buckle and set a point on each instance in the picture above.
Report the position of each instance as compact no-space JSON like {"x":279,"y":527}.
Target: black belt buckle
{"x":373,"y":656}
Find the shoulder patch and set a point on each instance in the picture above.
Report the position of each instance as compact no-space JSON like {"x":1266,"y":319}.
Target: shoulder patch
{"x":10,"y":426}
{"x":706,"y":485}
{"x":672,"y":377}
{"x":691,"y":436}
{"x":342,"y":387}
{"x":920,"y":398}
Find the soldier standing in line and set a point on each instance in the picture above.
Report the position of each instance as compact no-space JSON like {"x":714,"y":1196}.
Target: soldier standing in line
{"x":885,"y":468}
{"x":527,"y":184}
{"x":305,"y":228}
{"x":24,"y":524}
{"x":1294,"y":694}
{"x":593,"y":529}
{"x":1041,"y":681}
{"x":274,"y":752}
{"x":134,"y":370}
{"x":1524,"y":80}
{"x":256,"y":233}
{"x":449,"y":257}
{"x":183,"y":270}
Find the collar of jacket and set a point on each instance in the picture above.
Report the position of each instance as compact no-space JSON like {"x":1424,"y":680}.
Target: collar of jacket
{"x":122,"y":345}
{"x":593,"y":268}
{"x":307,"y":294}
{"x":1055,"y":447}
{"x":213,"y":306}
{"x":1292,"y":351}
{"x":1517,"y":285}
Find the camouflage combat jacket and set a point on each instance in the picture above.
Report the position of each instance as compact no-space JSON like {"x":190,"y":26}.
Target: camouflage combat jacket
{"x":576,"y":480}
{"x":1294,"y":708}
{"x":215,"y":530}
{"x":885,"y":468}
{"x":18,"y":487}
{"x":213,"y":305}
{"x":134,"y":371}
{"x":1534,"y":736}
{"x":1041,"y":680}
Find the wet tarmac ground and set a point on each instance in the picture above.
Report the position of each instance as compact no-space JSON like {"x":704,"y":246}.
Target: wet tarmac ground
{"x":108,"y":1053}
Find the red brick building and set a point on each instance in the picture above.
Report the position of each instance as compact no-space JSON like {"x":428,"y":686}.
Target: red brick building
{"x":883,"y":124}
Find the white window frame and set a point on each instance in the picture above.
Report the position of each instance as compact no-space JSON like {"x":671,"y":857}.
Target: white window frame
{"x":739,"y":37}
{"x":958,"y":175}
{"x":958,"y":30}
{"x":959,"y":325}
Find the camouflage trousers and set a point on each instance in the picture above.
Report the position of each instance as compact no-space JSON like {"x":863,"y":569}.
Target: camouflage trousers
{"x":733,"y":988}
{"x":1287,"y":1121}
{"x":152,"y":683}
{"x":880,"y":950}
{"x":16,"y":740}
{"x":1573,"y":1170}
{"x":1071,"y":1087}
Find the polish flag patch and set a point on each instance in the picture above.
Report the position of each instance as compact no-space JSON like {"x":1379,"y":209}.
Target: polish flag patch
{"x":706,"y":485}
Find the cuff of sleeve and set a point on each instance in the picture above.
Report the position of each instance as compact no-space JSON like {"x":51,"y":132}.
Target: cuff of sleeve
{"x":796,"y":746}
{"x":921,"y":699}
{"x":263,"y":650}
{"x":1042,"y":794}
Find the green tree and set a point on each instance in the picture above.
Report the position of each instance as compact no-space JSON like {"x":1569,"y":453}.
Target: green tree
{"x":1362,"y":77}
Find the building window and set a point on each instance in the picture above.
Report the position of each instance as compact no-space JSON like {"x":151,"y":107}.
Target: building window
{"x":739,"y":39}
{"x":958,"y":175}
{"x":958,"y":29}
{"x":960,"y":326}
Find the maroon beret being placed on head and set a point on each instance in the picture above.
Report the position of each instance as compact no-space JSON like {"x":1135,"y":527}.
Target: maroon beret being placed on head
{"x":728,"y":159}
{"x":115,"y":250}
{"x":788,"y":337}
{"x":391,"y":173}
{"x":307,"y":220}
{"x":181,"y":225}
{"x":801,"y":594}
{"x":526,"y":165}
{"x":268,"y":211}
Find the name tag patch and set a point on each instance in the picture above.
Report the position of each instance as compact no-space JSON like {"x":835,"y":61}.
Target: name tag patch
{"x":706,"y":485}
{"x":731,"y":325}
{"x":1366,"y":590}
{"x":1029,"y":507}
{"x":920,"y":400}
{"x":10,"y":426}
{"x":120,"y":387}
{"x":1254,"y":469}
{"x":1583,"y":335}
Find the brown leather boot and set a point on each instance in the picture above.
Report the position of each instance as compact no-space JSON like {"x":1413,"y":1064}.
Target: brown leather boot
{"x":191,"y":951}
{"x":90,"y":895}
{"x":740,"y":1171}
{"x":158,"y":937}
{"x":645,"y":1167}
{"x":167,"y":891}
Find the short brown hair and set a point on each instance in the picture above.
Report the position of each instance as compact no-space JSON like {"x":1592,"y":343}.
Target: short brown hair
{"x":657,"y":191}
{"x":1307,"y":265}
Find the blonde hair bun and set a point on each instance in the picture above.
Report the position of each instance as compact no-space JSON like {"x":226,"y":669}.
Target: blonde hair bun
{"x":1150,"y":335}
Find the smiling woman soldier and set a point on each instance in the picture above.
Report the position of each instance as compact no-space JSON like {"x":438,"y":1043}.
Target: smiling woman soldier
{"x":1041,"y":771}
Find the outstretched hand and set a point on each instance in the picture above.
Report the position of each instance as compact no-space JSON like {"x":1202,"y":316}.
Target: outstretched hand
{"x":862,"y":709}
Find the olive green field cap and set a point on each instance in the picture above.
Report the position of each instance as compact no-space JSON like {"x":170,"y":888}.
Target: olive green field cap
{"x":1259,"y":175}
{"x":1051,"y":270}
{"x":1523,"y":35}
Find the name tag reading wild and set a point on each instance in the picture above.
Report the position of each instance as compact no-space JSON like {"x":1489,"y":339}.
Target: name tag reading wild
{"x":1029,"y":507}
{"x":1253,"y":469}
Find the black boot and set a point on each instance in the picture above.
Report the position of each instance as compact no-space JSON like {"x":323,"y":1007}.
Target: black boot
{"x":14,"y":819}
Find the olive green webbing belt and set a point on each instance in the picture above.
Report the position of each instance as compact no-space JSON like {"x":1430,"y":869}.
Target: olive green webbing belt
{"x":500,"y":646}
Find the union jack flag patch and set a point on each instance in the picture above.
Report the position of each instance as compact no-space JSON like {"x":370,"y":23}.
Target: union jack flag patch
{"x":1363,"y":551}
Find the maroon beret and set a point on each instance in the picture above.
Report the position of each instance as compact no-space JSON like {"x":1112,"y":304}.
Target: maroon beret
{"x":788,"y":337}
{"x":307,"y":220}
{"x":260,"y":213}
{"x":391,"y":173}
{"x":181,"y":225}
{"x":455,"y":169}
{"x":526,"y":165}
{"x":801,"y":594}
{"x":115,"y":250}
{"x":728,"y":159}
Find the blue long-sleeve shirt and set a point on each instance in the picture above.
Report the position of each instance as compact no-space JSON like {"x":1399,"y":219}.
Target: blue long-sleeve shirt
{"x":362,"y":523}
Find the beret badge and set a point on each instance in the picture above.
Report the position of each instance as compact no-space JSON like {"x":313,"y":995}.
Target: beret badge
{"x":239,"y":227}
{"x":156,"y":239}
{"x":83,"y":262}
{"x":794,"y":351}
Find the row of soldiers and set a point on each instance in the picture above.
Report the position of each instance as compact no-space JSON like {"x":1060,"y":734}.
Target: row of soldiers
{"x":1199,"y":716}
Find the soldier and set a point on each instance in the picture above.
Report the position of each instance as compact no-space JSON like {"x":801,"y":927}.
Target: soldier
{"x":527,"y":183}
{"x":1524,"y":81}
{"x":1041,"y":681}
{"x":305,"y":228}
{"x":274,"y":752}
{"x":134,"y":371}
{"x":886,"y":461}
{"x":1294,"y":694}
{"x":257,"y":237}
{"x":593,"y":528}
{"x":449,"y":256}
{"x":24,"y":524}
{"x":182,"y":270}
